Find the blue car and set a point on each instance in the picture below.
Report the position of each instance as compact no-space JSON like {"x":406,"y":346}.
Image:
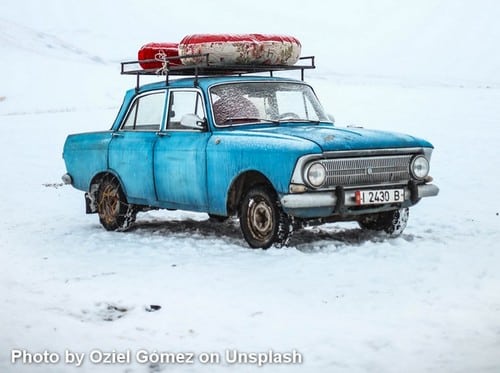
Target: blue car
{"x":255,"y":146}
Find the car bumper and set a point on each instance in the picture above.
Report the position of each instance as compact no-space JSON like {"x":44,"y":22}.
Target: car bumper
{"x":67,"y":179}
{"x":321,"y":204}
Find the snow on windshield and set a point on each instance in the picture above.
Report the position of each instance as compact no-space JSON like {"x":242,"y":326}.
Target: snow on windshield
{"x":264,"y":101}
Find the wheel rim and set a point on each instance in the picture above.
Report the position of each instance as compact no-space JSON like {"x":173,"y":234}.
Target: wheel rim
{"x":109,"y":205}
{"x":260,"y":220}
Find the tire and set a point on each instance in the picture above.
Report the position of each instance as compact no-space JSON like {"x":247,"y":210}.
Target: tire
{"x":262,"y":220}
{"x":391,"y":222}
{"x":115,"y":214}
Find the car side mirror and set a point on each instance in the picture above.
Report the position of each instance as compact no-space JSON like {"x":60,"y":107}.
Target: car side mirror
{"x":193,"y":121}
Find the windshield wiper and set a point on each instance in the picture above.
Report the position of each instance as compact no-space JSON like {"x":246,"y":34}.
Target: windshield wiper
{"x":232,"y":120}
{"x":298,"y":120}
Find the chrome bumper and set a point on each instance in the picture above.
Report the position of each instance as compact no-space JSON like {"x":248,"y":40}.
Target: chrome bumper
{"x":329,"y":199}
{"x":67,"y":179}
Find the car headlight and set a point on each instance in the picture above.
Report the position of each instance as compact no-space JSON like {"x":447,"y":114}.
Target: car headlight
{"x":316,"y":174}
{"x":419,"y":167}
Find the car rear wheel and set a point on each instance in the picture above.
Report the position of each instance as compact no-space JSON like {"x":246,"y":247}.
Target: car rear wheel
{"x":262,"y":220}
{"x":391,"y":222}
{"x":115,"y":214}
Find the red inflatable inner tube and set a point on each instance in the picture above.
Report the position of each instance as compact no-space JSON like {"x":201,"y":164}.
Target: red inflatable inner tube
{"x":229,"y":38}
{"x":157,"y":51}
{"x":228,"y":49}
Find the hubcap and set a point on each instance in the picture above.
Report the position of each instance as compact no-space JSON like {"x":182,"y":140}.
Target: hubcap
{"x":261,"y":219}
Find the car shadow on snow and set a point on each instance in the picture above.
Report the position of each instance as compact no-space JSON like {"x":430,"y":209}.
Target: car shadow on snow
{"x":330,"y":237}
{"x":310,"y":239}
{"x":227,"y":230}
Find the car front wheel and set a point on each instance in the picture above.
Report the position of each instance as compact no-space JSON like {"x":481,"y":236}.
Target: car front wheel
{"x":391,"y":222}
{"x":115,"y":214}
{"x":262,"y":220}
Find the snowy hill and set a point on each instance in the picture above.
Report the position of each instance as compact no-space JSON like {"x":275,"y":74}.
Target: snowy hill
{"x":348,"y":301}
{"x":56,"y":43}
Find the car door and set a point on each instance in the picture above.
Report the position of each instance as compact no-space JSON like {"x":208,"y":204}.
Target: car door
{"x":180,"y":154}
{"x":132,"y":146}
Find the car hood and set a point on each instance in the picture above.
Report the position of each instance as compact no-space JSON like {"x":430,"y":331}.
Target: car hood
{"x":331,"y":138}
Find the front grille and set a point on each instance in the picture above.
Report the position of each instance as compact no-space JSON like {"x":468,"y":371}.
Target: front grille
{"x":394,"y":169}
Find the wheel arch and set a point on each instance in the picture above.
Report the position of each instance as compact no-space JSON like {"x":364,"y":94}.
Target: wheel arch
{"x":93,"y":188}
{"x":241,"y":185}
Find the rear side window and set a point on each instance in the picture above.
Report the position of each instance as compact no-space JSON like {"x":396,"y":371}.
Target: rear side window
{"x":146,"y":113}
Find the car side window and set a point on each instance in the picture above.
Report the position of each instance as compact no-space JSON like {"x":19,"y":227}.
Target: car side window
{"x":184,"y":102}
{"x":146,"y":113}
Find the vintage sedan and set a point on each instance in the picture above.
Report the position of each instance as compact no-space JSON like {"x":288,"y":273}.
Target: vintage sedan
{"x":257,"y":147}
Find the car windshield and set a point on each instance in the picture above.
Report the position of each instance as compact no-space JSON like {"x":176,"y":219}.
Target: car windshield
{"x":265,"y":102}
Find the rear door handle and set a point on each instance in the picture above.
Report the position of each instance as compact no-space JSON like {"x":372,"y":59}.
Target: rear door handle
{"x":117,"y":134}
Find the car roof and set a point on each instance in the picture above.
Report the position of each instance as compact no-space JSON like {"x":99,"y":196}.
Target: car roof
{"x":206,"y":82}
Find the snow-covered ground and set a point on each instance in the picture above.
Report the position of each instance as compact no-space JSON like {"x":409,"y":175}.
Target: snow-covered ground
{"x":347,"y":301}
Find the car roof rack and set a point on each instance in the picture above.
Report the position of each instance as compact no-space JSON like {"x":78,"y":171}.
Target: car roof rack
{"x":206,"y":69}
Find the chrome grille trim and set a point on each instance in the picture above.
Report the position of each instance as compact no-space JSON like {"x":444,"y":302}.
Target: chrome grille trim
{"x":361,"y":171}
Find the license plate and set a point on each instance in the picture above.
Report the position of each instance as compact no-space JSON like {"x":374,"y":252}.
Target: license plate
{"x":375,"y":197}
